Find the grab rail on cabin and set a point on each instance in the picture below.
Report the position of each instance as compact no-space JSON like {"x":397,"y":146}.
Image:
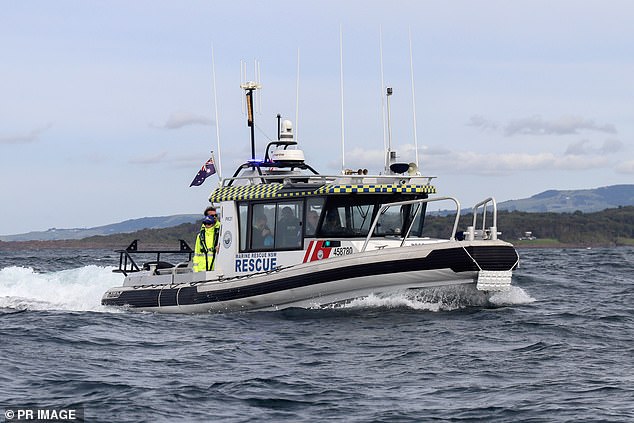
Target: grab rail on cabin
{"x":128,"y":265}
{"x":324,"y":179}
{"x":491,"y":233}
{"x":403,"y":203}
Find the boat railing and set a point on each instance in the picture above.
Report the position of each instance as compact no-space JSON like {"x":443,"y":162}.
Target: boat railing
{"x":325,"y":179}
{"x":127,"y":264}
{"x":384,"y":207}
{"x":484,"y":233}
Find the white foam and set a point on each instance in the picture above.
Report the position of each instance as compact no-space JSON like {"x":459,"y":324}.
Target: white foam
{"x":395,"y":300}
{"x":441,"y":299}
{"x":515,"y":295}
{"x":78,"y":289}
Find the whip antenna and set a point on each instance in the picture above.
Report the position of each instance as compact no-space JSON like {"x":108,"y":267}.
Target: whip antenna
{"x":386,"y":164}
{"x":411,"y":67}
{"x":213,"y":71}
{"x":343,"y":150}
{"x":249,"y":88}
{"x":297,"y":100}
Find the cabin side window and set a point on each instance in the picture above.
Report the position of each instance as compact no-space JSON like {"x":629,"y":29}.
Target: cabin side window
{"x":419,"y":221}
{"x":390,"y":222}
{"x":347,"y":220}
{"x":314,"y":207}
{"x":275,"y":226}
{"x":263,"y":226}
{"x":243,"y":209}
{"x":288,"y":233}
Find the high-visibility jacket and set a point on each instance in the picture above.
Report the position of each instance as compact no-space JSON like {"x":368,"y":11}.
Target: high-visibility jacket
{"x":205,"y":250}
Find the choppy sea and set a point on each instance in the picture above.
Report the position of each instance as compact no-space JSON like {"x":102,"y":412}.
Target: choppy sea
{"x":558,"y":347}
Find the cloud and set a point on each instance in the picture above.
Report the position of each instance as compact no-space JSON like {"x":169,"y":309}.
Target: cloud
{"x":626,"y":167}
{"x":536,"y":125}
{"x":481,"y":122}
{"x":147,"y":160}
{"x":375,"y":159}
{"x":179,"y":120}
{"x":507,"y":163}
{"x":611,"y":146}
{"x":32,"y":136}
{"x":584,"y":147}
{"x":468,"y":162}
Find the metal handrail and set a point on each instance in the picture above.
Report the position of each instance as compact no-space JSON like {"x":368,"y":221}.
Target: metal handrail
{"x":322,"y":178}
{"x":403,"y":203}
{"x":484,"y":204}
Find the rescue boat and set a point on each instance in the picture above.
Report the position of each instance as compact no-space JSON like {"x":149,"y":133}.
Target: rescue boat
{"x":292,"y":237}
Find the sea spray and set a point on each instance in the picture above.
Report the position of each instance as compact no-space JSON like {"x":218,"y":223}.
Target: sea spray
{"x":447,"y":298}
{"x":513,"y":296}
{"x":78,"y":289}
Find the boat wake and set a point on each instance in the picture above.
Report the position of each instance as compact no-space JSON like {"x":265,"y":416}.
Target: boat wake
{"x":80,"y":289}
{"x":441,"y":299}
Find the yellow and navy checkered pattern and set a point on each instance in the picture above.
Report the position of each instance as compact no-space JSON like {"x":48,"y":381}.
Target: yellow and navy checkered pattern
{"x":376,"y":189}
{"x":265,"y":191}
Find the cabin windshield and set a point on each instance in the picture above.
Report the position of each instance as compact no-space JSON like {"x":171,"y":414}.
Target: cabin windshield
{"x":353,"y":216}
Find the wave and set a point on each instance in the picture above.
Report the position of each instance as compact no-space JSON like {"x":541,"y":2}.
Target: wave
{"x":77,"y":289}
{"x":447,"y":298}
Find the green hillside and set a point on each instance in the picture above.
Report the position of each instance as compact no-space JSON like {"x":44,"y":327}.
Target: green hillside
{"x":608,"y":227}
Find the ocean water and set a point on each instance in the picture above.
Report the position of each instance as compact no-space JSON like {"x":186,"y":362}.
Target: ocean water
{"x":558,"y":347}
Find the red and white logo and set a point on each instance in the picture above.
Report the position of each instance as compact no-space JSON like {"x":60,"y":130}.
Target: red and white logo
{"x":316,"y":251}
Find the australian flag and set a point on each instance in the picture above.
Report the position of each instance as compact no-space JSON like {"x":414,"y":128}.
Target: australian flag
{"x":208,"y":169}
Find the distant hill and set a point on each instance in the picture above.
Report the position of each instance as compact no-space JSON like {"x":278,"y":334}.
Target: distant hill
{"x":127,"y":226}
{"x":570,"y":201}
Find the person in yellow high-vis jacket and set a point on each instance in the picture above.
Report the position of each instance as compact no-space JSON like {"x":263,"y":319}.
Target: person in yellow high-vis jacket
{"x":206,"y":244}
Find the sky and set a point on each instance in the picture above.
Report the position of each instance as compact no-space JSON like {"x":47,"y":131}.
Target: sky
{"x":107,"y":107}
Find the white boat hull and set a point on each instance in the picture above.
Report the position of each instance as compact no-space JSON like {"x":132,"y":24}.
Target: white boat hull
{"x":323,"y":282}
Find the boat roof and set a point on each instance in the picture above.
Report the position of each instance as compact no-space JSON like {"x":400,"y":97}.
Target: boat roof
{"x":277,"y":190}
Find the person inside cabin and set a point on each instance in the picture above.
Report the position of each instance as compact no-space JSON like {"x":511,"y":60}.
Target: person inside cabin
{"x":262,"y":235}
{"x":289,"y":229}
{"x":312,"y":219}
{"x":207,"y":244}
{"x":332,"y":223}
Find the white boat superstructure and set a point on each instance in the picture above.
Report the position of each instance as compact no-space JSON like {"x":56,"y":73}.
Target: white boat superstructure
{"x":330,"y":238}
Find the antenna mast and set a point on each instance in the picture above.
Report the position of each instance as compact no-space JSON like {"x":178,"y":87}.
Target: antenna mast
{"x":213,"y":71}
{"x":343,"y":150}
{"x":249,"y":87}
{"x":297,"y":100}
{"x":389,"y":155}
{"x":386,"y":164}
{"x":411,"y":67}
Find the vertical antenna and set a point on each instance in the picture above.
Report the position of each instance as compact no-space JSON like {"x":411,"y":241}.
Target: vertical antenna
{"x":249,"y":87}
{"x":411,"y":67}
{"x":343,"y":150}
{"x":388,"y":94}
{"x":213,"y":71}
{"x":243,"y":78}
{"x":257,"y":81}
{"x":297,"y":100}
{"x":381,"y":92}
